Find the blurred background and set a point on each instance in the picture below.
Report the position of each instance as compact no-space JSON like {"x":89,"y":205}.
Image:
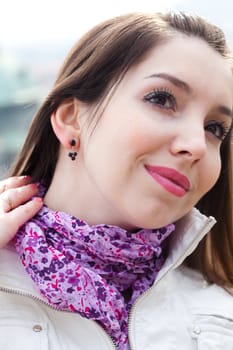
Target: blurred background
{"x":35,"y":37}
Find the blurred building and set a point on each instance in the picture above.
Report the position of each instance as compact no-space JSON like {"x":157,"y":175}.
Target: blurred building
{"x":19,"y":98}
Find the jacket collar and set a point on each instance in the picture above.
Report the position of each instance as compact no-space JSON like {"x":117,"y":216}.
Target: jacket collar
{"x":188,"y":233}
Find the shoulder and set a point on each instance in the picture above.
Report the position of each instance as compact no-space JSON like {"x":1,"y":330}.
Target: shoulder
{"x":207,"y":309}
{"x":183,"y":310}
{"x":194,"y":278}
{"x":192,"y":282}
{"x":201,"y":299}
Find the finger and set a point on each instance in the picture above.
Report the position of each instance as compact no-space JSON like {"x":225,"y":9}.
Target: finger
{"x":6,"y":204}
{"x":14,"y":182}
{"x":14,"y":197}
{"x":11,"y":221}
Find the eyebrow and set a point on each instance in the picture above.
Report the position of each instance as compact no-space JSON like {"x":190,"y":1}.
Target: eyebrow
{"x":225,"y":110}
{"x":175,"y":81}
{"x":185,"y":87}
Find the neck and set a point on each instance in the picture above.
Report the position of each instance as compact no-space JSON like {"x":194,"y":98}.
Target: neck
{"x":81,"y":203}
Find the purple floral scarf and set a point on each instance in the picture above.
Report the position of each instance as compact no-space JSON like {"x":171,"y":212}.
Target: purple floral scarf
{"x":85,"y":268}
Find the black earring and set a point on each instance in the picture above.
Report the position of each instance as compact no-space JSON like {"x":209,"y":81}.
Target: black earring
{"x":72,"y":154}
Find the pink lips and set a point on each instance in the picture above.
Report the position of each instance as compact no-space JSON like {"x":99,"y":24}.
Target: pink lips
{"x":169,"y":178}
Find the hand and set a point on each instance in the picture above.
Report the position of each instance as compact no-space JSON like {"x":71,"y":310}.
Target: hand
{"x":15,"y":205}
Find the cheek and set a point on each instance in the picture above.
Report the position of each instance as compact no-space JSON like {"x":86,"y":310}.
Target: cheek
{"x":141,"y":138}
{"x":212,"y":173}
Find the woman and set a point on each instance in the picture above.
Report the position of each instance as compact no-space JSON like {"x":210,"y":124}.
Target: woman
{"x":135,"y":132}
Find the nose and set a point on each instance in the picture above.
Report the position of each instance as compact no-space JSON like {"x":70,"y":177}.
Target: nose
{"x":189,"y":142}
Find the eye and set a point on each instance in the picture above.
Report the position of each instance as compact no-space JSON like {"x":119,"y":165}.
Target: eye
{"x":161,"y":98}
{"x":218,"y":129}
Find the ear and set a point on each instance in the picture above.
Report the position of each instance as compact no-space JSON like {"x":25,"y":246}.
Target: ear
{"x":65,"y":122}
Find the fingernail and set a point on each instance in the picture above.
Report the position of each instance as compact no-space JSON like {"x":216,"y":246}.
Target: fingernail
{"x":37,"y":199}
{"x":26,"y":177}
{"x":34,"y":186}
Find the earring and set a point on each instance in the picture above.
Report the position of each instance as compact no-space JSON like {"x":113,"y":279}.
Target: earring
{"x":73,"y":154}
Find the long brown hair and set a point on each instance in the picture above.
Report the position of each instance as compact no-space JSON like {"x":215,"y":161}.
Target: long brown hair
{"x":98,"y":62}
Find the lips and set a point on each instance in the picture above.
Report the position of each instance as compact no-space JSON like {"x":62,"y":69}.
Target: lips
{"x":170,"y":179}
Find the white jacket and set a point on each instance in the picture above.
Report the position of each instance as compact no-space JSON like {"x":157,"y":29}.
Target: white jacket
{"x":180,"y":312}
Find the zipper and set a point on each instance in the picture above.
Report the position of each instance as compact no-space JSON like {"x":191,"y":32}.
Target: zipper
{"x":31,"y":296}
{"x":206,"y":227}
{"x":178,"y":262}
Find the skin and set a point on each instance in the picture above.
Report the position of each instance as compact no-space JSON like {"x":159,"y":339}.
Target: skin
{"x":18,"y":192}
{"x":138,"y":128}
{"x":109,"y":178}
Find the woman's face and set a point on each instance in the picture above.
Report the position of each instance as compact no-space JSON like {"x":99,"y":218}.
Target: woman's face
{"x":156,"y":149}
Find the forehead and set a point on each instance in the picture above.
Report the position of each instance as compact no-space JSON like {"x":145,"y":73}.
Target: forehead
{"x":190,"y":59}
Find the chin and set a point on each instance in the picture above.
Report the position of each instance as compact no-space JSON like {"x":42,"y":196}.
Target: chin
{"x":157,"y":221}
{"x":148,"y":224}
{"x":147,"y":219}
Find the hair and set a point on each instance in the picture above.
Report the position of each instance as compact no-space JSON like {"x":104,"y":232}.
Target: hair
{"x":97,"y":63}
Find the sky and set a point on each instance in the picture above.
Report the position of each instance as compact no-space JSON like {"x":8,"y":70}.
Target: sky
{"x":27,"y":22}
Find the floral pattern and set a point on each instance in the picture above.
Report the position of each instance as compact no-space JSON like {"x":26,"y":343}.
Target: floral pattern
{"x":86,"y":269}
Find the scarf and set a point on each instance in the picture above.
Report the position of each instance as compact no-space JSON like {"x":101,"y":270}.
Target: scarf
{"x":85,"y":269}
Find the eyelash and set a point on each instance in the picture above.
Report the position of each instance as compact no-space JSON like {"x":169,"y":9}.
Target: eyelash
{"x":220,"y":130}
{"x":164,"y":95}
